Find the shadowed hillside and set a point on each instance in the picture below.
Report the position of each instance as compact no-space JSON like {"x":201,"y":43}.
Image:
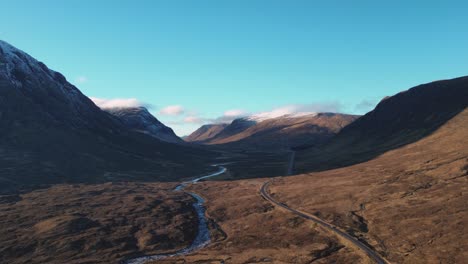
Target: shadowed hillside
{"x":396,"y":121}
{"x":51,"y":133}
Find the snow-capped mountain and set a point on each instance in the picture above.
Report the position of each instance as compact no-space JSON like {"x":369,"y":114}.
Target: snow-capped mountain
{"x":44,"y":90}
{"x":51,"y":133}
{"x":141,"y":120}
{"x":266,"y":131}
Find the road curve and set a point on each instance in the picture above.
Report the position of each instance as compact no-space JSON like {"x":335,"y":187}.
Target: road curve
{"x":372,"y":254}
{"x":291,"y":163}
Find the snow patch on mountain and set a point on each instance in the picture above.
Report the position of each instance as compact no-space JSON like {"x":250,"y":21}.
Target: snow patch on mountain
{"x":13,"y":59}
{"x":18,"y":68}
{"x":271,"y":115}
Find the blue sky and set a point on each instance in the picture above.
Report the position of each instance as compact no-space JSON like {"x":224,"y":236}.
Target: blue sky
{"x":201,"y":61}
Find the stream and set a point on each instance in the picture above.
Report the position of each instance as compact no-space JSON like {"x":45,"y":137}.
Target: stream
{"x":203,"y":235}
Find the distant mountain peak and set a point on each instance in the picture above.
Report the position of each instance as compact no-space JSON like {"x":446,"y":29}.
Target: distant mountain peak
{"x":43,"y":88}
{"x":138,"y":118}
{"x":16,"y":65}
{"x":270,"y":131}
{"x":205,"y":133}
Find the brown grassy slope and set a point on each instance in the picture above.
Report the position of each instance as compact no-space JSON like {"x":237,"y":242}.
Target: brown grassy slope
{"x":94,"y":223}
{"x":205,"y":132}
{"x":259,"y":233}
{"x":409,"y":203}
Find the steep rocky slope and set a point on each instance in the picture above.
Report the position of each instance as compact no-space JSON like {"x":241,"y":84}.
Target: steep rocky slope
{"x":50,"y":132}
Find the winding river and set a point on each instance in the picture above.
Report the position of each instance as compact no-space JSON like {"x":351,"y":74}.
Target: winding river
{"x":203,"y":235}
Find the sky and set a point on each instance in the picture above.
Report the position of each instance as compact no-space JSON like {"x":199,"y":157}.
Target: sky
{"x":196,"y":62}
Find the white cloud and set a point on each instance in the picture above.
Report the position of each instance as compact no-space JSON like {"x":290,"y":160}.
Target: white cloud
{"x":191,"y":118}
{"x":235,"y":112}
{"x":194,"y":120}
{"x":116,"y":102}
{"x":277,"y":112}
{"x":365,"y":106}
{"x":81,"y":79}
{"x":300,"y":109}
{"x":229,"y":115}
{"x":184,"y":129}
{"x":172,"y":110}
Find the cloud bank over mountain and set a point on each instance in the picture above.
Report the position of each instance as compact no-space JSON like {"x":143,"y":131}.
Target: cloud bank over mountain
{"x":185,"y":120}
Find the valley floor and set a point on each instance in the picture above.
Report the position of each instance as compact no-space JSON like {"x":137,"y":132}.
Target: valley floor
{"x":408,"y":205}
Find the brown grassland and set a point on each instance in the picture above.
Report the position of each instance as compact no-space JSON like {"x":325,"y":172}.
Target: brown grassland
{"x":408,"y":204}
{"x":101,"y":223}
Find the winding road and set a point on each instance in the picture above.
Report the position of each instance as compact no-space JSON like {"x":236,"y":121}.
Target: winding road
{"x":372,"y":254}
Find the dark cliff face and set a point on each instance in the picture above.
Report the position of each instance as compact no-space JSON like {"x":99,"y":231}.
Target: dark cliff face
{"x":423,"y":107}
{"x":141,"y":120}
{"x":396,"y":121}
{"x":50,"y":133}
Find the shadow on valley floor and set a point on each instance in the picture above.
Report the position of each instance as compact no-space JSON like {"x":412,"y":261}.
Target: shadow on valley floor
{"x":246,"y":164}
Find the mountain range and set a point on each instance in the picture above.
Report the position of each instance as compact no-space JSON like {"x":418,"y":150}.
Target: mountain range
{"x":282,"y":132}
{"x":52,"y":133}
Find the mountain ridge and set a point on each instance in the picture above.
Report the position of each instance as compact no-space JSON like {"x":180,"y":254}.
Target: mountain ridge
{"x":281,"y":132}
{"x":51,"y":133}
{"x":141,"y":120}
{"x":205,"y":132}
{"x":396,"y":121}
